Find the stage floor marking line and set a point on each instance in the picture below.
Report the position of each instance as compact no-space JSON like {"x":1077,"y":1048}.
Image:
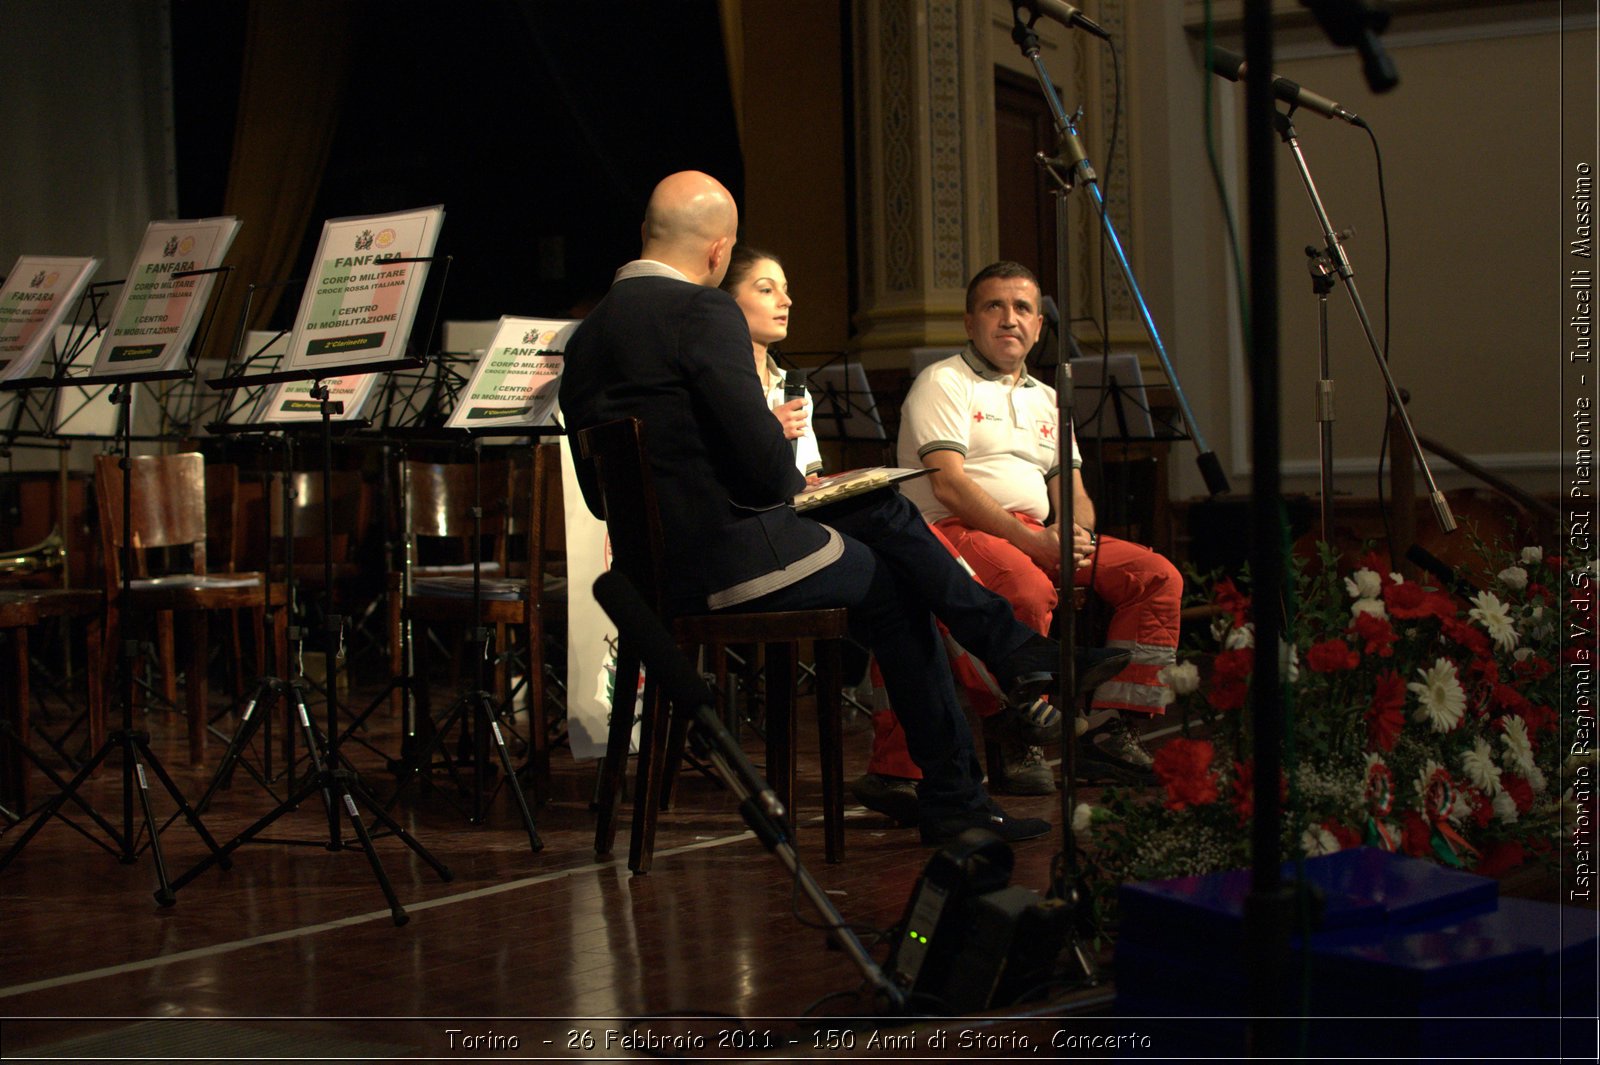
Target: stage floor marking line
{"x":347,"y":922}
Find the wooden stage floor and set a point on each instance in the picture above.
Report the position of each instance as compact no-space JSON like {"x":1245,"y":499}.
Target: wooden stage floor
{"x":292,"y":953}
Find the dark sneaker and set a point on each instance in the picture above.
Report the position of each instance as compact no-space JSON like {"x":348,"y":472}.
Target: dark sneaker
{"x":1113,"y":752}
{"x":893,"y":797}
{"x":1034,"y":669}
{"x":1038,"y":723}
{"x":941,"y":829}
{"x":1016,"y":767}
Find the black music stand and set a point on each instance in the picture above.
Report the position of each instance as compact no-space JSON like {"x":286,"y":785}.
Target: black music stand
{"x":134,"y":744}
{"x":477,"y":711}
{"x":339,"y":783}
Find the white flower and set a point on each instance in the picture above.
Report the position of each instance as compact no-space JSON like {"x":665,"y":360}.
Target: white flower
{"x":1522,"y":654}
{"x":1532,"y":556}
{"x":1519,"y":751}
{"x":1479,"y":766}
{"x":1243,"y":636}
{"x":1082,"y":817}
{"x":1536,"y":779}
{"x":1505,"y":807}
{"x":1396,"y":578}
{"x":1317,"y":840}
{"x":1182,"y":677}
{"x":1513,"y":577}
{"x":1440,"y":700}
{"x":1220,"y":626}
{"x":1363,"y":584}
{"x":1429,"y":768}
{"x":1492,"y":614}
{"x":1374,"y":607}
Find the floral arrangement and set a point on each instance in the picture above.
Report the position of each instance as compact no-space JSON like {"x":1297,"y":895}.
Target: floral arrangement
{"x":1421,"y":720}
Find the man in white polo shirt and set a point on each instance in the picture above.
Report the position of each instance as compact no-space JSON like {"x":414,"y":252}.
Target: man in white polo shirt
{"x":989,"y":432}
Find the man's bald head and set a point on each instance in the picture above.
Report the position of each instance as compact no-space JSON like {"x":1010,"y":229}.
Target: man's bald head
{"x":691,"y":223}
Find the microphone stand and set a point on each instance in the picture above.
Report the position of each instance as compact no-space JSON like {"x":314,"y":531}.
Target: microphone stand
{"x":758,"y":803}
{"x":1071,"y":167}
{"x":1346,"y":273}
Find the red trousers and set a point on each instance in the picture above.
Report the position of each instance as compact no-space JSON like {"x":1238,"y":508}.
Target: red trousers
{"x":1143,"y":589}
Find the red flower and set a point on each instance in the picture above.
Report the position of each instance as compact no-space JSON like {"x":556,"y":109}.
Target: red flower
{"x":1386,"y":716}
{"x":1235,"y":602}
{"x":1501,"y":858}
{"x":1331,"y":656}
{"x":1377,"y":635}
{"x":1519,"y":789}
{"x":1347,"y":836}
{"x":1532,"y":668}
{"x":1378,"y":563}
{"x":1184,"y":766}
{"x":1539,"y":719}
{"x":1244,"y":788}
{"x":1412,"y":600}
{"x":1415,"y":835}
{"x":1230,"y":674}
{"x":1482,"y":808}
{"x":1509,"y":699}
{"x":1469,"y":636}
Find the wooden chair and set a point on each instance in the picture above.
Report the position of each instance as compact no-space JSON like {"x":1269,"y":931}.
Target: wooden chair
{"x":168,"y":511}
{"x":633,"y":523}
{"x":17,"y":615}
{"x":439,"y":499}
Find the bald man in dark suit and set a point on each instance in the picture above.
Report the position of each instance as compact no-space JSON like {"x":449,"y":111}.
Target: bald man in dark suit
{"x":667,"y":347}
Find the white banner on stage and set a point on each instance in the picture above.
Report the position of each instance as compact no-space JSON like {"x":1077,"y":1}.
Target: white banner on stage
{"x":591,"y":637}
{"x":359,"y":304}
{"x":38,"y":294}
{"x":156,"y":314}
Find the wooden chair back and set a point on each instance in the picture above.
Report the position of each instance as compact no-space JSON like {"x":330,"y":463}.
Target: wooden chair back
{"x":628,"y":496}
{"x":167,"y":508}
{"x":352,"y":514}
{"x":439,"y":498}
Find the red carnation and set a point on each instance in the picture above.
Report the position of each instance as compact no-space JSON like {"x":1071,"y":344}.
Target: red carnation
{"x":1469,"y":636}
{"x":1539,"y":719}
{"x":1501,"y":858}
{"x":1184,"y":766}
{"x":1331,"y":656}
{"x":1386,"y":716}
{"x":1377,"y":635}
{"x":1415,"y":835}
{"x":1519,"y":789}
{"x":1230,"y":673}
{"x":1347,"y":836}
{"x":1378,"y":563}
{"x":1532,"y":668}
{"x":1412,"y":600}
{"x":1509,"y":699}
{"x":1235,"y":602}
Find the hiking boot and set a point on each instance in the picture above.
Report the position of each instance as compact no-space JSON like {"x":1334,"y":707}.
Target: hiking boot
{"x":1016,"y":767}
{"x":1113,"y":752}
{"x":893,"y":797}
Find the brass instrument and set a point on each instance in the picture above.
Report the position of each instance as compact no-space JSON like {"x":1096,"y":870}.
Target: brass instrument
{"x":49,"y":553}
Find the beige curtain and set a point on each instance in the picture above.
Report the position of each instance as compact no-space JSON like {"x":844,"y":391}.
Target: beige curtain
{"x":295,"y":60}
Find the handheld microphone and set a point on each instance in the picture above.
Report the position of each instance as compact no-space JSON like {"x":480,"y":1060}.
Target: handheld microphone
{"x":1062,"y":12}
{"x":1231,"y":65}
{"x":794,"y":387}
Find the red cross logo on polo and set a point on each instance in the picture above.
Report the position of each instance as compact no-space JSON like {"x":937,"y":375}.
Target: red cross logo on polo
{"x":1047,"y":432}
